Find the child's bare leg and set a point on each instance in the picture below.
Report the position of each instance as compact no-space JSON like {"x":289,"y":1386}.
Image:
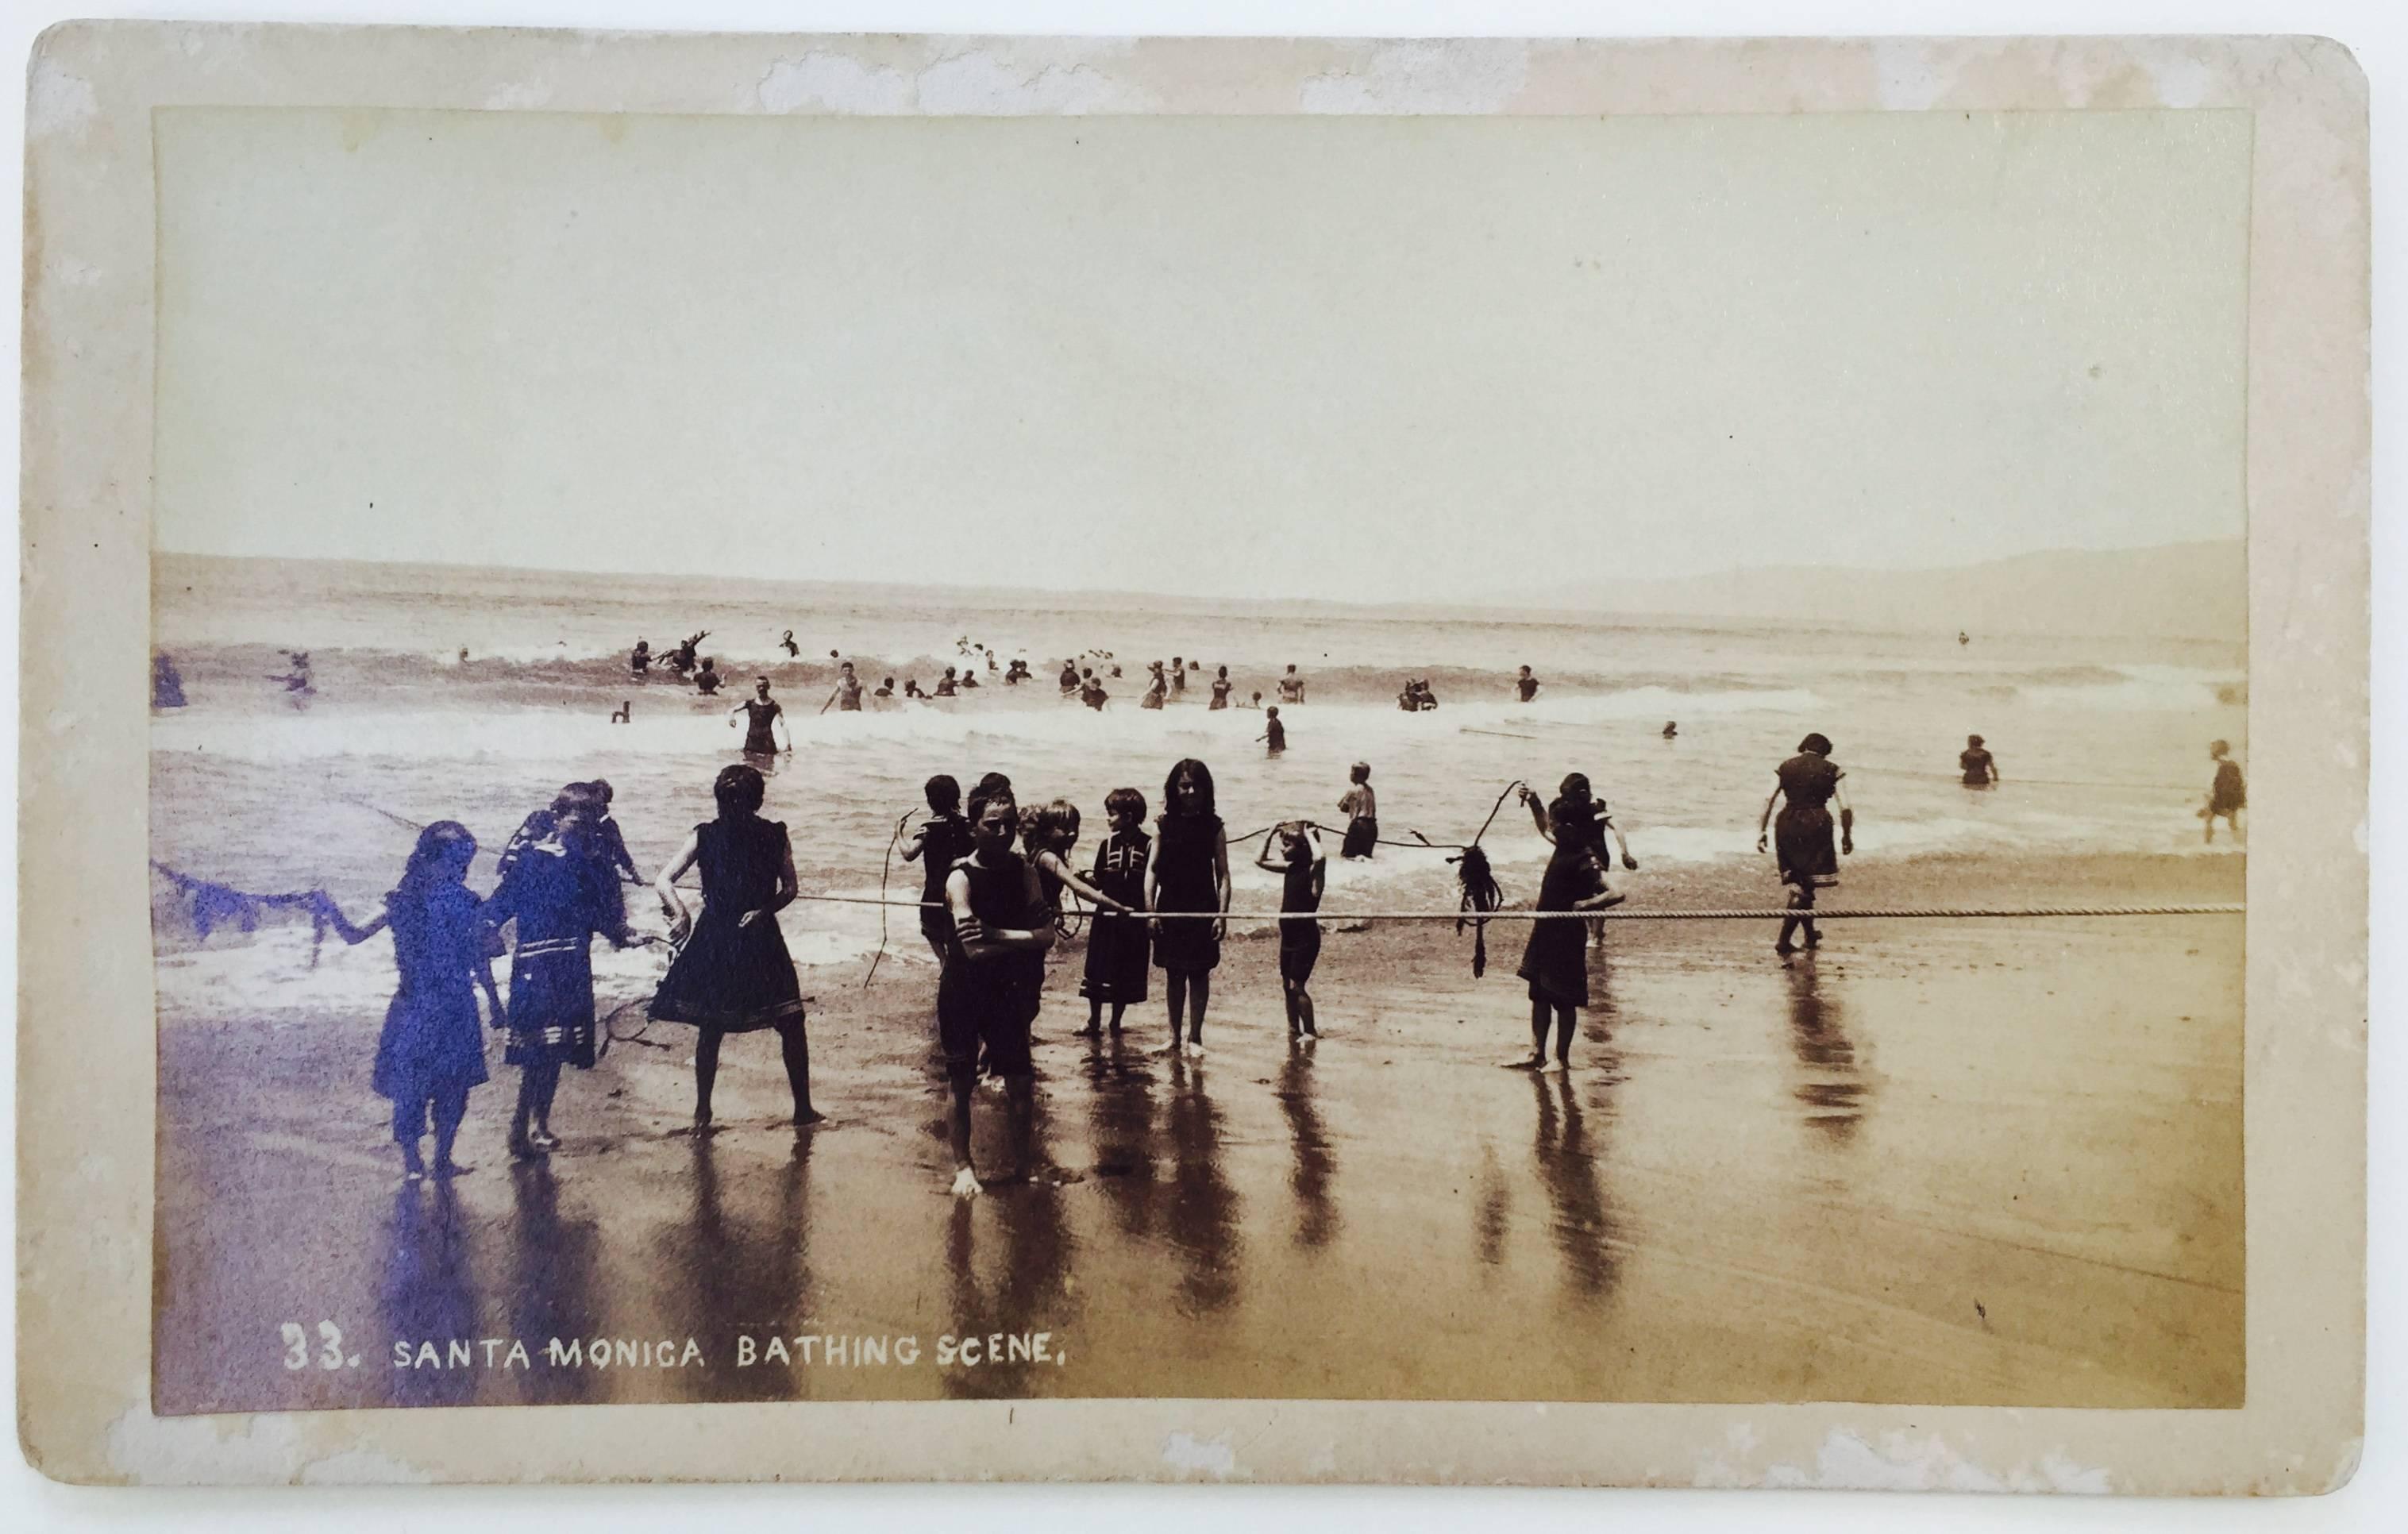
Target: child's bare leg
{"x":1094,"y":1016}
{"x":1565,"y":1018}
{"x":964,"y":1078}
{"x":1199,"y":993}
{"x":1174,"y":992}
{"x":1540,"y":1016}
{"x":705,"y":1073}
{"x":1304,"y":1012}
{"x":1020,"y":1115}
{"x":1118,"y":1007}
{"x":1287,"y":995}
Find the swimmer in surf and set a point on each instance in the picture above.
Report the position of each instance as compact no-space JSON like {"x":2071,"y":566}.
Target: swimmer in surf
{"x":764,"y":722}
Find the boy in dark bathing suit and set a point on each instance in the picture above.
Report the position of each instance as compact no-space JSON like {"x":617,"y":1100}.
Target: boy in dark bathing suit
{"x":987,"y":993}
{"x":1273,"y":731}
{"x":1304,"y":874}
{"x":1526,"y":685}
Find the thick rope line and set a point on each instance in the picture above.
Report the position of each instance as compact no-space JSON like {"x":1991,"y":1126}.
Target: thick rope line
{"x":2232,"y":907}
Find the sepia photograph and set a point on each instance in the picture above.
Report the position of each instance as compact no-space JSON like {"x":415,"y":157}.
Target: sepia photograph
{"x":1226,"y":759}
{"x":1553,"y":760}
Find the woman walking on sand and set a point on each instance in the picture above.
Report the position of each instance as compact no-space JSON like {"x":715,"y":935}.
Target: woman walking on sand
{"x":556,"y":894}
{"x":431,"y":1052}
{"x":734,"y":974}
{"x":1805,"y":787}
{"x":1555,"y":961}
{"x":1190,"y":873}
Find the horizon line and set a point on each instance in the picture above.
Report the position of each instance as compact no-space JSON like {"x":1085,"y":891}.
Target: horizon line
{"x":1485,"y":600}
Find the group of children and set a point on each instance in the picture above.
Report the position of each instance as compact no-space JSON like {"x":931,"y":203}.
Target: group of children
{"x":1159,"y":900}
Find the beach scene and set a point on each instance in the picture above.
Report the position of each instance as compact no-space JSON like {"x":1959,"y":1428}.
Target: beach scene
{"x":1940,"y":1126}
{"x":1741,"y":899}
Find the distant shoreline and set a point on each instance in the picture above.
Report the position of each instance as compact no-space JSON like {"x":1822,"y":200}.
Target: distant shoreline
{"x":1011,"y":598}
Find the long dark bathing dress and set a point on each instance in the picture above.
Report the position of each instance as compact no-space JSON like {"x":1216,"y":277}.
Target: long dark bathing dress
{"x":1183,"y":870}
{"x":1118,"y":947}
{"x":735,"y":978}
{"x":560,"y":902}
{"x":430,"y":1044}
{"x":1556,"y":959}
{"x":1801,"y":833}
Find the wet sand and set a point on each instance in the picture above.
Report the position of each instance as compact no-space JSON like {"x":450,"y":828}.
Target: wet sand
{"x":1947,"y":1162}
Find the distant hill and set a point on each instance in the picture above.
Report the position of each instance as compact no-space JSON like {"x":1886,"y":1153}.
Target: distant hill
{"x":2191,"y":590}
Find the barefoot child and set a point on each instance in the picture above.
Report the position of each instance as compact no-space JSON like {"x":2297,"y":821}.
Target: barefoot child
{"x":1187,"y":888}
{"x":988,"y":995}
{"x":431,"y":1052}
{"x":1275,"y":733}
{"x":1304,"y":874}
{"x":734,"y":974}
{"x":1117,"y":945}
{"x":1556,"y":960}
{"x":561,"y":898}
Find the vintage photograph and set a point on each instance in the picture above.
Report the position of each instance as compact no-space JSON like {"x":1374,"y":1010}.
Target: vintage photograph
{"x":1559,"y":759}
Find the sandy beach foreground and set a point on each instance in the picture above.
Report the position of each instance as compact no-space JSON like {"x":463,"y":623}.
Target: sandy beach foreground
{"x":1950,"y":1162}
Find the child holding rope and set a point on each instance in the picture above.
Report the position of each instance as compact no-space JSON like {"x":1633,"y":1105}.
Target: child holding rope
{"x":988,"y":993}
{"x":1555,"y":961}
{"x":1117,"y":944}
{"x":431,"y":1052}
{"x":1048,"y":833}
{"x":1304,"y":875}
{"x":940,"y":842}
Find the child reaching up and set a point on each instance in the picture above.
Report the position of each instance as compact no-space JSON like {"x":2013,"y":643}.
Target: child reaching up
{"x":1304,"y":874}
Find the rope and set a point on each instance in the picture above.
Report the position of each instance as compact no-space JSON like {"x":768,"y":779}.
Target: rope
{"x":885,"y":865}
{"x":2234,"y":908}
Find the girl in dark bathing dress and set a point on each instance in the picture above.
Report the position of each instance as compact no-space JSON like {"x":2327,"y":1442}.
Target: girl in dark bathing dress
{"x":734,"y":975}
{"x":1556,"y":959}
{"x":558,"y":894}
{"x":1190,"y":873}
{"x":988,"y":993}
{"x":1118,"y":947}
{"x":1220,"y":688}
{"x":1808,"y":782}
{"x":431,"y":1052}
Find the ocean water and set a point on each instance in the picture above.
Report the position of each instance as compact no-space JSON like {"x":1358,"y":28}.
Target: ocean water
{"x":2103,"y":742}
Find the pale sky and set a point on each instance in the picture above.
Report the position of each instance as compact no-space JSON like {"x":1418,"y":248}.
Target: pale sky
{"x":1387,"y":359}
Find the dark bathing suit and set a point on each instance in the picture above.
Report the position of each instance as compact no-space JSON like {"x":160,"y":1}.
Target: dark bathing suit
{"x":1300,"y":942}
{"x":1184,"y":871}
{"x":758,"y":740}
{"x":2229,"y":794}
{"x":728,"y":977}
{"x":948,"y":843}
{"x":1118,"y":947}
{"x":989,"y":1004}
{"x":1555,"y":961}
{"x":1801,"y":833}
{"x":1976,"y":763}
